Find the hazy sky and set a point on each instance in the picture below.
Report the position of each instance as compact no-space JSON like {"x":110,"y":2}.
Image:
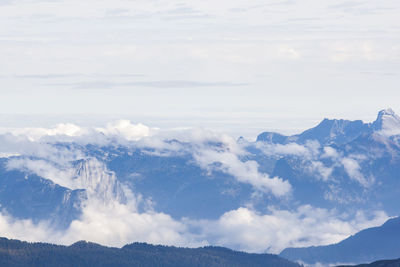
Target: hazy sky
{"x":229,"y":64}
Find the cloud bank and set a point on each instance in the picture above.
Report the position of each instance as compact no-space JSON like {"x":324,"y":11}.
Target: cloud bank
{"x":114,"y":214}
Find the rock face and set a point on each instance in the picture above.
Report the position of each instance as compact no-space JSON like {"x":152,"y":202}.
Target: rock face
{"x":93,"y":176}
{"x":369,"y":245}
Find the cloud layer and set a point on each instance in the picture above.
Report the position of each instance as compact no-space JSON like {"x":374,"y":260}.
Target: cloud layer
{"x":115,"y":215}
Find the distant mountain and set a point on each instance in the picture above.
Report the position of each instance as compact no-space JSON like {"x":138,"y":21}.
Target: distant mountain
{"x":369,"y":245}
{"x":339,"y":132}
{"x":341,"y":166}
{"x":383,"y":263}
{"x":327,"y":132}
{"x":15,"y":253}
{"x":348,"y":165}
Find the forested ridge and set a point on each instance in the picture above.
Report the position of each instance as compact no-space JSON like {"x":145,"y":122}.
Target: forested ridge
{"x":19,"y":253}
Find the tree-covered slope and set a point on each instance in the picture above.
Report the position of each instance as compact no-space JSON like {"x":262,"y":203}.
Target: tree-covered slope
{"x":18,"y":253}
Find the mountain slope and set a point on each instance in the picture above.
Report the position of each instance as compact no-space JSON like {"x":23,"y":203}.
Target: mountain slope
{"x":327,"y":132}
{"x":29,"y":196}
{"x":339,"y":132}
{"x":361,"y":171}
{"x":383,"y":263}
{"x":366,"y":246}
{"x":15,"y":253}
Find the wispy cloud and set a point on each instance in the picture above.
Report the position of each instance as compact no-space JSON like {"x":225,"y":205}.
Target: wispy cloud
{"x":74,"y":75}
{"x":272,"y":50}
{"x":153,"y":84}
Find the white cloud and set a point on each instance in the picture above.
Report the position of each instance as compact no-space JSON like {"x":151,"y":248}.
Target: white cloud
{"x":35,"y":134}
{"x":21,"y":145}
{"x":215,"y":151}
{"x":127,"y":130}
{"x":330,"y":152}
{"x":26,"y":140}
{"x":353,"y":169}
{"x":308,"y":150}
{"x":243,"y":171}
{"x":115,"y":224}
{"x":339,"y":195}
{"x":319,"y":168}
{"x":7,"y":155}
{"x":252,"y":231}
{"x":111,"y":223}
{"x":25,"y":229}
{"x":311,"y":155}
{"x":45,"y":169}
{"x":287,"y":149}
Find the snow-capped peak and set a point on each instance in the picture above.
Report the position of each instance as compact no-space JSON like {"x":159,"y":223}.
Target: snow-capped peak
{"x":387,"y":123}
{"x":386,"y":112}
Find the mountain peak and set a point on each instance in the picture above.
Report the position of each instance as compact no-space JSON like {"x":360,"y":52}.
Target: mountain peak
{"x":386,"y":112}
{"x":387,"y":123}
{"x":331,"y":131}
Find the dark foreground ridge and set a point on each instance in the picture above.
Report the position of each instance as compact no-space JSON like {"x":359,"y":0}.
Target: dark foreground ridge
{"x":372,"y":244}
{"x":18,"y":253}
{"x":384,"y":263}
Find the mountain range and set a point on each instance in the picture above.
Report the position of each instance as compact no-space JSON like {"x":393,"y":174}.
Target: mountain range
{"x":201,"y":188}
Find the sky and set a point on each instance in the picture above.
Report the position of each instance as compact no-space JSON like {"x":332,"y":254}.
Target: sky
{"x":236,"y":66}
